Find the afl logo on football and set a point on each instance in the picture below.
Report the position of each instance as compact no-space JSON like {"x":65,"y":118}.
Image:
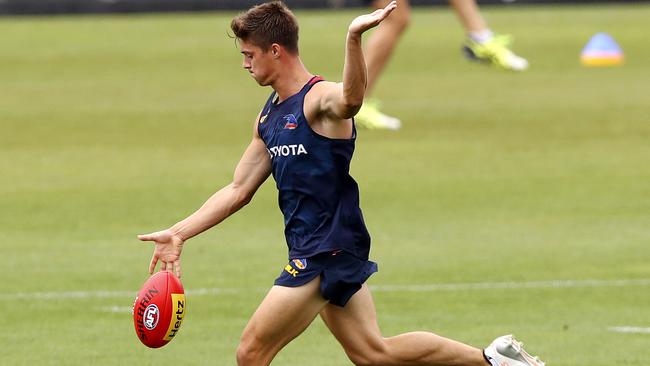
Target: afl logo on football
{"x":151,"y":316}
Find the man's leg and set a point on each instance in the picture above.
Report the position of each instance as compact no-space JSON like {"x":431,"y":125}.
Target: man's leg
{"x":379,"y":47}
{"x":284,"y":313}
{"x":355,"y":327}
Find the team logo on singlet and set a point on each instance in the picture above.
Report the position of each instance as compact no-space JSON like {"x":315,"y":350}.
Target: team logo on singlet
{"x":291,"y":122}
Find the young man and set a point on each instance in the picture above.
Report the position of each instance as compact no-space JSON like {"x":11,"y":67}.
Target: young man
{"x":305,"y":136}
{"x":482,"y":45}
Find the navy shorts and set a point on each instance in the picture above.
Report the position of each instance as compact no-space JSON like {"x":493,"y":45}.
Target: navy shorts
{"x":341,"y":274}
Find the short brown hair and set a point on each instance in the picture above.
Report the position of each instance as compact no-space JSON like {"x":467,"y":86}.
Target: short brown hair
{"x":266,"y":24}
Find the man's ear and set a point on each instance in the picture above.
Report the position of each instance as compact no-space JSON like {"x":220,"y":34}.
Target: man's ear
{"x":276,"y":50}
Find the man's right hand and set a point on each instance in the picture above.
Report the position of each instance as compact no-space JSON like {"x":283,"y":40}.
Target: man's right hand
{"x":167,"y":249}
{"x":364,"y":22}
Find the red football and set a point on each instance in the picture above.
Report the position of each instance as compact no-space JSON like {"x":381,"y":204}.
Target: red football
{"x":158,"y":309}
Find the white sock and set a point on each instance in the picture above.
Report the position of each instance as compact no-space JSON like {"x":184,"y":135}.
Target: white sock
{"x":481,"y":36}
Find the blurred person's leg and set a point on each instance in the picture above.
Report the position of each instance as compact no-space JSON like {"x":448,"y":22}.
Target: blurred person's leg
{"x":377,"y":52}
{"x":469,"y":15}
{"x":379,"y":47}
{"x":482,"y":44}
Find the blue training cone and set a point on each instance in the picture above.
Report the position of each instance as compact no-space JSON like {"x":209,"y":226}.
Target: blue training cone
{"x":601,"y":50}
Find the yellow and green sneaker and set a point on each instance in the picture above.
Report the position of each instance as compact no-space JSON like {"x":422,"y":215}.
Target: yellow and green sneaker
{"x":371,"y":118}
{"x":495,"y":52}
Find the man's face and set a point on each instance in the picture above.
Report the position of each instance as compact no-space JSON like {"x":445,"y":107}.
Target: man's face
{"x":257,"y":62}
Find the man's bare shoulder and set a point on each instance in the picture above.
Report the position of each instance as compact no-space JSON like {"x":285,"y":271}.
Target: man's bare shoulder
{"x":320,"y":111}
{"x":316,"y":100}
{"x":323,"y":87}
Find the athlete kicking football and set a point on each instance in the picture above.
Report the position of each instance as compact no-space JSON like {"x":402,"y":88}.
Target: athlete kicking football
{"x":305,"y":136}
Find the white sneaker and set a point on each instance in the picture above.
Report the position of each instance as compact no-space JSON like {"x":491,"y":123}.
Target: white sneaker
{"x":507,"y":351}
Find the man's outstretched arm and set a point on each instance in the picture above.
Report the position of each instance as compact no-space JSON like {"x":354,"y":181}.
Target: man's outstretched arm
{"x":345,"y":99}
{"x":252,"y":170}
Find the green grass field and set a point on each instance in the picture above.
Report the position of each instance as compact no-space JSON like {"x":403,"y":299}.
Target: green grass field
{"x":118,"y":125}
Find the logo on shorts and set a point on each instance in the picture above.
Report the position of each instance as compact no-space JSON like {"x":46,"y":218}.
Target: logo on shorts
{"x":300,"y":263}
{"x":292,"y":122}
{"x":151,"y":316}
{"x":292,"y":271}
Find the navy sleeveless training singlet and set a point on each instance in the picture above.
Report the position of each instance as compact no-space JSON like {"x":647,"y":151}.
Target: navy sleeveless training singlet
{"x":318,"y":197}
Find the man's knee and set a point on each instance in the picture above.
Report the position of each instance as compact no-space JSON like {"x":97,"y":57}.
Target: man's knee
{"x":372,"y":356}
{"x":249,"y":352}
{"x":244,"y":355}
{"x":369,"y":360}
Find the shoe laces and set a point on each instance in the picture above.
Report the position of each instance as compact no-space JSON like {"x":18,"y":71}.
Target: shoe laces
{"x":519,"y":347}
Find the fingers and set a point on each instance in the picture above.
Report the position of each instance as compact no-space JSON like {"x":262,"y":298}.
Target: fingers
{"x":388,"y":9}
{"x":152,"y":264}
{"x":147,"y":237}
{"x":166,"y":249}
{"x":177,"y":266}
{"x":364,"y":22}
{"x":174,"y":267}
{"x":155,"y":236}
{"x":383,"y":12}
